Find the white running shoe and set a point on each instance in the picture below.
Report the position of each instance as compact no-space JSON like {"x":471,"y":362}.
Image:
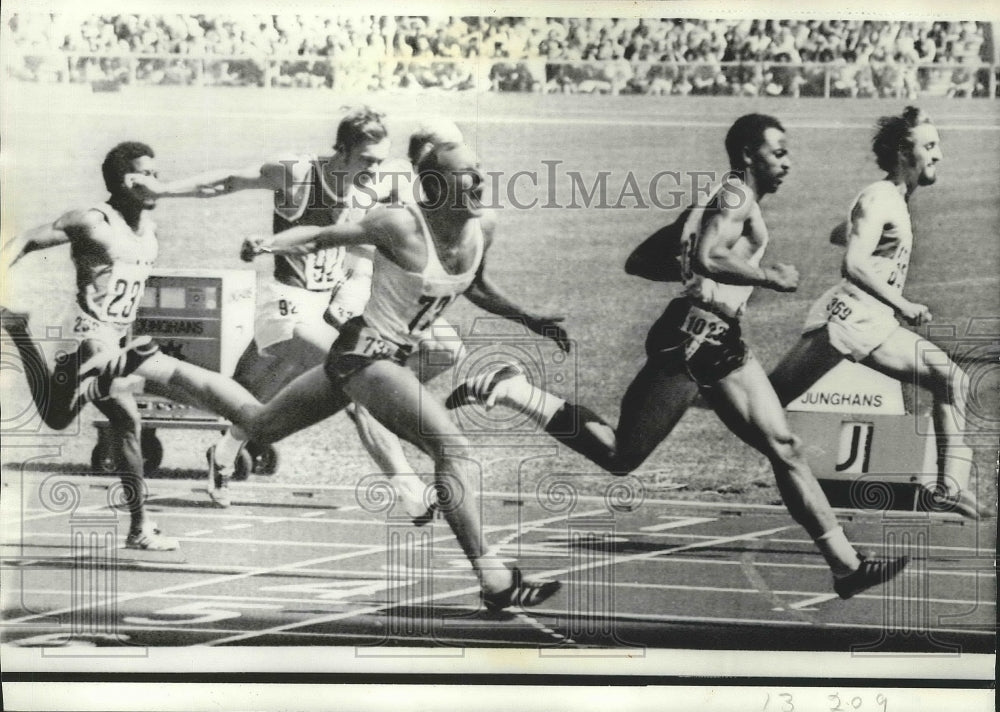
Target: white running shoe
{"x":218,"y":480}
{"x":150,"y":539}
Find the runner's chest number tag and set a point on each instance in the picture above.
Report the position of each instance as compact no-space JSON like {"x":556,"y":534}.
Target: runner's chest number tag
{"x":125,"y":286}
{"x":325,"y":268}
{"x":704,"y":325}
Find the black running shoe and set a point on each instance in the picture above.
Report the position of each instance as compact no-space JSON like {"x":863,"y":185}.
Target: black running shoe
{"x":872,"y":572}
{"x":522,"y":593}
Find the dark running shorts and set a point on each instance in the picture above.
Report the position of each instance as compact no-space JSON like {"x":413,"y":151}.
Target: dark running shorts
{"x":710,"y":345}
{"x":357,"y":347}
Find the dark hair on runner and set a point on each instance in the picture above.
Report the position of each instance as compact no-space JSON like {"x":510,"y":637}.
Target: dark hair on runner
{"x":434,"y":160}
{"x":428,"y":135}
{"x":360,"y":125}
{"x":748,"y":132}
{"x":430,"y":173}
{"x":118,"y":163}
{"x":892,"y":135}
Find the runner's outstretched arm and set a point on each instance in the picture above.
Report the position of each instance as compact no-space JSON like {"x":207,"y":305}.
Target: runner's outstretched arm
{"x":484,"y":293}
{"x":272,"y":176}
{"x":60,"y":232}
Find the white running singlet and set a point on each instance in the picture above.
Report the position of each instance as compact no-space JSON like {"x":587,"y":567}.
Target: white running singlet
{"x":404,"y":304}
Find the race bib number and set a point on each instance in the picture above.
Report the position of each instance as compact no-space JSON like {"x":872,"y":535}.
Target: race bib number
{"x":838,"y":309}
{"x":430,"y":309}
{"x":125,"y":286}
{"x":704,"y":326}
{"x":324,"y":269}
{"x":897,"y":278}
{"x":364,"y":341}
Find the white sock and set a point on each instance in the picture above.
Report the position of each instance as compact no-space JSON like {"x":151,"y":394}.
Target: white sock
{"x":840,"y":555}
{"x":520,"y":394}
{"x":493,"y":575}
{"x":226,"y":449}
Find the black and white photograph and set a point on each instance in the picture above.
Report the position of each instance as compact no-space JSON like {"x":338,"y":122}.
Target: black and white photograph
{"x":531,"y":356}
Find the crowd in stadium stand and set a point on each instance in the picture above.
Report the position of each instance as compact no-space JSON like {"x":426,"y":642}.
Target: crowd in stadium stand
{"x":607,"y":55}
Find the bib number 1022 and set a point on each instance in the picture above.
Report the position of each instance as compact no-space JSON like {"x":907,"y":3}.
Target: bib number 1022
{"x":703,"y":328}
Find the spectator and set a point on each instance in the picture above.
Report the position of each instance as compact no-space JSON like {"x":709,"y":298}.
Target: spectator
{"x":963,"y":82}
{"x":887,"y":52}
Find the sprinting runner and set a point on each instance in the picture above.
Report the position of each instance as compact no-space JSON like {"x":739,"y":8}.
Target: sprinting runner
{"x":426,"y":255}
{"x":696,"y":346}
{"x":313,"y":293}
{"x":857,"y":318}
{"x":113,"y":246}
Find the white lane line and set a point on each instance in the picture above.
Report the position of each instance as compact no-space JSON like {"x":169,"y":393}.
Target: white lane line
{"x":265,"y":570}
{"x":223,"y":578}
{"x":232,"y":527}
{"x":199,"y":532}
{"x":48,"y":513}
{"x":812,"y":596}
{"x":517,"y":527}
{"x":308,"y":518}
{"x":682,"y":503}
{"x":259,"y":542}
{"x":396,"y":639}
{"x":978,"y":549}
{"x":958,"y":573}
{"x":808,"y":546}
{"x":616,"y":560}
{"x":782,"y":622}
{"x":475,"y":589}
{"x":776,"y":509}
{"x":824,"y":597}
{"x":686,"y":522}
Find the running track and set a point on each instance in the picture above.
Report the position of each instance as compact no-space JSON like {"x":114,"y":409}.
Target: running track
{"x":300,"y":565}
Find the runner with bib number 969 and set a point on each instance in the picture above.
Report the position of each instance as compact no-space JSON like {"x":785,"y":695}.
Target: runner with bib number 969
{"x":697,"y":346}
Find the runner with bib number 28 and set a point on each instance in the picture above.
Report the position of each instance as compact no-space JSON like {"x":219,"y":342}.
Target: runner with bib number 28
{"x":112,"y":246}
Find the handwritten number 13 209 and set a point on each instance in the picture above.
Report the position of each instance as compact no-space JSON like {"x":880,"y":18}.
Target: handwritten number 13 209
{"x":785,"y":703}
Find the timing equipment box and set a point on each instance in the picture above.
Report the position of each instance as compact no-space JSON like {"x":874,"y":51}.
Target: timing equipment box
{"x":204,"y":317}
{"x":860,"y":442}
